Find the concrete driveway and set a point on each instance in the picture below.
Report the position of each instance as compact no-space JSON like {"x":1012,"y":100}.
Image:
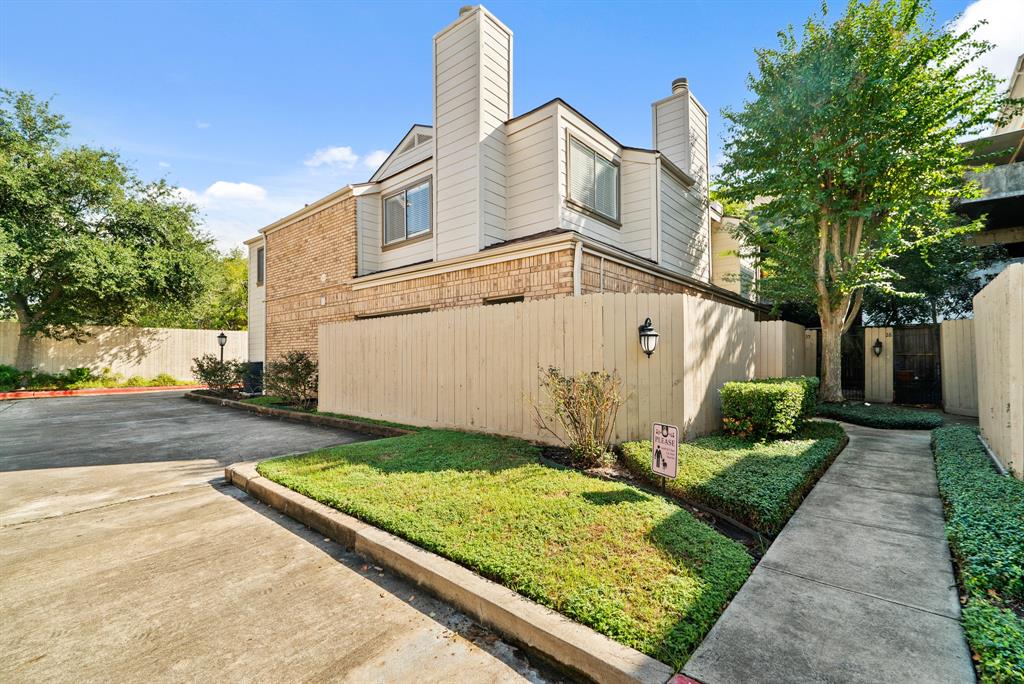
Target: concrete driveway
{"x":125,"y":557}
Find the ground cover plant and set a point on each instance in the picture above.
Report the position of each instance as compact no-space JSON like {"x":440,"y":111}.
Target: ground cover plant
{"x":78,"y":378}
{"x":629,"y":564}
{"x":881,"y":416}
{"x":985,"y":527}
{"x":758,"y":483}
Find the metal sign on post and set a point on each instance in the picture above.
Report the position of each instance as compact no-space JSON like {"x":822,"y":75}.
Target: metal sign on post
{"x":665,"y":450}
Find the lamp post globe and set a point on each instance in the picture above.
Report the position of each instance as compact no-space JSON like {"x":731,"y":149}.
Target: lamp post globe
{"x":222,"y":339}
{"x":648,"y":337}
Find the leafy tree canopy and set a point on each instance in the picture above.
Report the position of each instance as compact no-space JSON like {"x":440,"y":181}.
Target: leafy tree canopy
{"x":224,"y":304}
{"x":82,"y":239}
{"x":849,"y":149}
{"x":933,"y":283}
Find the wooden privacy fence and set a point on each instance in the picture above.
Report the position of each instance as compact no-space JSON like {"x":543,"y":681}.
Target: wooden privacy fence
{"x":999,"y":350}
{"x":128,"y":351}
{"x":783,"y":349}
{"x":477,"y":368}
{"x":959,"y":375}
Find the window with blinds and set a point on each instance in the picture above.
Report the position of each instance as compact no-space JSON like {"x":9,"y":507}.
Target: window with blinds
{"x":407,"y":213}
{"x":593,"y":180}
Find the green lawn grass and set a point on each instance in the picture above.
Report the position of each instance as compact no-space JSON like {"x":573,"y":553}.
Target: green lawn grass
{"x":758,"y":483}
{"x":629,"y":564}
{"x":882,"y":416}
{"x":985,"y":527}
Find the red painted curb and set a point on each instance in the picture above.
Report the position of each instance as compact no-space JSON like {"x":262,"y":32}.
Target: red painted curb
{"x":42,"y":394}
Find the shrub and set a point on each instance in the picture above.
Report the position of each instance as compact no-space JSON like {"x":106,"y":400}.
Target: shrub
{"x":136,"y":381}
{"x":881,"y":416}
{"x":293,"y":378}
{"x":222,"y":377}
{"x":10,"y":378}
{"x":808,"y":384}
{"x":768,"y":409}
{"x":985,"y":528}
{"x":584,"y":406}
{"x":163,"y":380}
{"x":81,"y":374}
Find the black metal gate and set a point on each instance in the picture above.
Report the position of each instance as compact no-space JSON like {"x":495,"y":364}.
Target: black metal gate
{"x":917,"y":375}
{"x":852,"y":373}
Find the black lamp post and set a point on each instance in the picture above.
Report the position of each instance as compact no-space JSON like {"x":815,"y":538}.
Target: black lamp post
{"x":222,"y":339}
{"x":877,"y":347}
{"x":648,"y":337}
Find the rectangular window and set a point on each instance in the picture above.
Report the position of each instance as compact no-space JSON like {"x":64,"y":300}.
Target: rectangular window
{"x":407,"y":213}
{"x":593,"y":181}
{"x":259,"y":266}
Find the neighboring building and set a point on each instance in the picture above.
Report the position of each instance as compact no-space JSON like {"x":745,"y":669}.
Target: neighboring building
{"x":483,"y":207}
{"x":730,"y":268}
{"x":1003,"y":202}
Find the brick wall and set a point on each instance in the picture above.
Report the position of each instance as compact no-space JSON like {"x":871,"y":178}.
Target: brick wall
{"x":309,"y":265}
{"x":604,"y":275}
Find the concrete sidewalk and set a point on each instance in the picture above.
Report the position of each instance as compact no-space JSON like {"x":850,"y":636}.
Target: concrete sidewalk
{"x":858,"y":586}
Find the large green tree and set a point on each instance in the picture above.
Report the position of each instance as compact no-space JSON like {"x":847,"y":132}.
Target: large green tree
{"x":82,"y":239}
{"x":933,"y":284}
{"x":224,"y":304}
{"x":849,"y":153}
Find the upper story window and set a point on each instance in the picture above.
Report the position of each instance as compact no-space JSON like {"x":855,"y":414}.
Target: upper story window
{"x":260,"y":268}
{"x":407,"y":213}
{"x":593,"y":181}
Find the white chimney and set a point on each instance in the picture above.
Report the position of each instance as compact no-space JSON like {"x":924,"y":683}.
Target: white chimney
{"x":472,"y":101}
{"x":680,"y":129}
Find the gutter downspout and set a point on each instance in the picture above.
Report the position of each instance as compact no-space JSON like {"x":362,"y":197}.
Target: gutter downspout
{"x":577,"y":270}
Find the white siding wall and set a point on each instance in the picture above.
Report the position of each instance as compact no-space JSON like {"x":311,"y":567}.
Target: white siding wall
{"x":639,"y":203}
{"x":726,"y":263}
{"x":472,"y":100}
{"x":257,"y":309}
{"x":532,"y":177}
{"x":368,"y":230}
{"x":684,"y":237}
{"x":400,"y":162}
{"x":369,"y":213}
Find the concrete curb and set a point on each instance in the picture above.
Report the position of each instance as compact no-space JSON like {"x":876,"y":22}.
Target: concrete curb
{"x":94,"y":391}
{"x":554,"y":637}
{"x":299,"y":417}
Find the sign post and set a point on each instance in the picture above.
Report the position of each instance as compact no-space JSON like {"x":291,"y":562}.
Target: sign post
{"x":665,"y":451}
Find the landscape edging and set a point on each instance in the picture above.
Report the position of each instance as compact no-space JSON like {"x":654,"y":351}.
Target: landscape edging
{"x":299,"y":417}
{"x":553,"y":636}
{"x":93,"y":391}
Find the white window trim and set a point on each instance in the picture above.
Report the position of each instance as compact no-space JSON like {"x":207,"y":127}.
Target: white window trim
{"x":384,"y":214}
{"x":580,"y":206}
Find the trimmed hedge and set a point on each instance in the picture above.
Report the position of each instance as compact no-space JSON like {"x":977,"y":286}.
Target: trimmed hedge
{"x":882,"y":416}
{"x":809,"y":384}
{"x":985,"y":528}
{"x":762,"y":409}
{"x":757,"y":483}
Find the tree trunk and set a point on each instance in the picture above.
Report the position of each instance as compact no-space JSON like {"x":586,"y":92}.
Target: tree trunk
{"x":24,"y":358}
{"x":831,"y":361}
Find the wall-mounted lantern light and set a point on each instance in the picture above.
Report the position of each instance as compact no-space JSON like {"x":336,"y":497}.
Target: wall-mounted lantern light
{"x":877,"y":347}
{"x":648,"y":337}
{"x":222,"y":339}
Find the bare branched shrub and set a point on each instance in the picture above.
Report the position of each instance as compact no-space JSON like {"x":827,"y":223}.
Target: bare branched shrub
{"x":584,"y":406}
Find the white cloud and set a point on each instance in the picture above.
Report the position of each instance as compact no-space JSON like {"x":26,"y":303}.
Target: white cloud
{"x":243,"y":192}
{"x":203,"y":124}
{"x":163,"y":165}
{"x":373,"y":160}
{"x":1005,"y":30}
{"x":335,"y":157}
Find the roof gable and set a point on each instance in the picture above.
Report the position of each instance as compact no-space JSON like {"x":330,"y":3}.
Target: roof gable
{"x":410,"y":150}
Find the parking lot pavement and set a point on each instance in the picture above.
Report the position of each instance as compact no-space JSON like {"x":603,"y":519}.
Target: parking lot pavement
{"x":127,"y":558}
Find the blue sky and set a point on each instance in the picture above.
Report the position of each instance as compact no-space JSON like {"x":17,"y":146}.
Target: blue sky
{"x":256,"y":108}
